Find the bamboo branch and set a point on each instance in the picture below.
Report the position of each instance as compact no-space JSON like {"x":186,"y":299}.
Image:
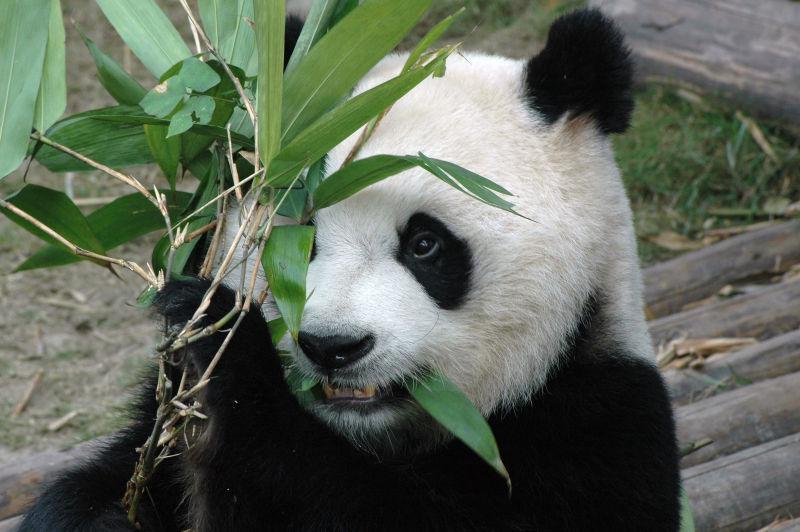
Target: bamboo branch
{"x":152,"y":280}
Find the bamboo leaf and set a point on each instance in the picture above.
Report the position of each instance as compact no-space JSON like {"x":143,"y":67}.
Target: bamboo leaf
{"x":430,"y":39}
{"x":55,"y":210}
{"x":687,"y":516}
{"x":165,"y":151}
{"x":270,"y":22}
{"x":448,"y":405}
{"x":52,"y":98}
{"x":114,"y":79}
{"x":116,"y":145}
{"x":342,"y":57}
{"x":466,"y":181}
{"x":135,"y":116}
{"x":338,"y":124}
{"x":316,"y":24}
{"x":23,"y":39}
{"x":124,"y":219}
{"x":356,"y":176}
{"x":147,"y":31}
{"x":285,"y":261}
{"x":364,"y":172}
{"x":226,"y":22}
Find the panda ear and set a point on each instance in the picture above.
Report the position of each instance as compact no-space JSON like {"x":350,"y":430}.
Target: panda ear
{"x":584,"y":69}
{"x":294,"y":25}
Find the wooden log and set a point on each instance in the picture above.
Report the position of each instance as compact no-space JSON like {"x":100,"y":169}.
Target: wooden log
{"x":777,"y":356}
{"x":761,"y":315}
{"x":746,"y":51}
{"x":789,"y":525}
{"x":670,"y":285}
{"x":739,"y":419}
{"x":20,"y":482}
{"x":10,"y":525}
{"x":748,"y":489}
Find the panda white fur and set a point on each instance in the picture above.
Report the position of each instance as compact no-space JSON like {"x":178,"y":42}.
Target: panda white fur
{"x":539,"y":322}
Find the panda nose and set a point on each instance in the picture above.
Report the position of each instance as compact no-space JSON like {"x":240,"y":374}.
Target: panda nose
{"x":335,"y":351}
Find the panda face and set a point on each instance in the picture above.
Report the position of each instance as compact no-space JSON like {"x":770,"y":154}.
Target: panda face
{"x":411,"y":275}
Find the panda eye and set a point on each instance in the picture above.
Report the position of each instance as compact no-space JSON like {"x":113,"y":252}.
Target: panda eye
{"x":425,"y":245}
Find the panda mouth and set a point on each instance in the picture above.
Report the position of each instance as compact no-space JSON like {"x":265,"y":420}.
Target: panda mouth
{"x":365,"y":395}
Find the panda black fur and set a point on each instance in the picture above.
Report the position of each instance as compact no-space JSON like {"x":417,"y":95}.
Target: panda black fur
{"x":560,"y":364}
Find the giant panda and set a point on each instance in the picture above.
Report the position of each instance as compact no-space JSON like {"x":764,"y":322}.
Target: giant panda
{"x":538,"y":319}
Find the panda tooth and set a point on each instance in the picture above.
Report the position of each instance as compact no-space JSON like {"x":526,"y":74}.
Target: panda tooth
{"x":328,"y":391}
{"x":369,"y":391}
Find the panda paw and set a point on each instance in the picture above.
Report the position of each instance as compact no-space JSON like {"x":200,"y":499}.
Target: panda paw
{"x":178,"y":301}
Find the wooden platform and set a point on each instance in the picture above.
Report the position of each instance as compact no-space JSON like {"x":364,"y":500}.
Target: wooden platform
{"x":739,"y":411}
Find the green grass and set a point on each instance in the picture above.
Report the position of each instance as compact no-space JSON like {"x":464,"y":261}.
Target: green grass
{"x":489,"y":16}
{"x":691,"y":164}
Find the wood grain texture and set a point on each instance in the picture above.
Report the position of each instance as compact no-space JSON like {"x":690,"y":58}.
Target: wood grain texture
{"x":741,"y":418}
{"x":20,"y":482}
{"x":748,"y":489}
{"x":770,"y":312}
{"x":670,"y":285}
{"x":747,"y":51}
{"x":777,"y":356}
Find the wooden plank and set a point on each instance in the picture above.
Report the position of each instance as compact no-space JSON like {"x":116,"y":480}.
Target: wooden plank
{"x":670,"y":285}
{"x":739,"y":419}
{"x":20,"y":482}
{"x":762,"y":315}
{"x":748,"y":489}
{"x":10,"y":525}
{"x":747,"y":51}
{"x":775,"y":357}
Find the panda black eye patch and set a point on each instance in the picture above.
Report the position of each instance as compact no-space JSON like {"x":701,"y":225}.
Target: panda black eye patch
{"x":439,"y":260}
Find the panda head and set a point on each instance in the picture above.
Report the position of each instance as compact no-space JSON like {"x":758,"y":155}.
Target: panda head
{"x":410,"y":275}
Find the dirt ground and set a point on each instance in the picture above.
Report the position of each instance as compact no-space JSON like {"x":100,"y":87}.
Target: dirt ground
{"x":77,"y":324}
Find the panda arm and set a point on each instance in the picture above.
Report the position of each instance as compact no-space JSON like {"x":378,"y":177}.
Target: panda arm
{"x":88,"y":496}
{"x":263,"y":459}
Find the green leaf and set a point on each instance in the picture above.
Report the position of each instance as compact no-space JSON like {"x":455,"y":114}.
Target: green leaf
{"x":687,"y":517}
{"x":227,"y":26}
{"x":430,"y":38}
{"x":23,"y":39}
{"x":316,"y":24}
{"x":148,"y":33}
{"x":135,"y":116}
{"x":277,"y":330}
{"x":52,"y":98}
{"x":335,"y":126}
{"x":270,"y":21}
{"x":113,"y":144}
{"x":342,"y":57}
{"x":462,"y":179}
{"x":448,"y":405}
{"x":164,"y":97}
{"x":166,"y":151}
{"x":121,"y":221}
{"x":195,"y":110}
{"x":294,"y":206}
{"x":55,"y":210}
{"x":356,"y":176}
{"x":219,"y":19}
{"x":114,"y":79}
{"x":197,"y":75}
{"x":285,"y":262}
